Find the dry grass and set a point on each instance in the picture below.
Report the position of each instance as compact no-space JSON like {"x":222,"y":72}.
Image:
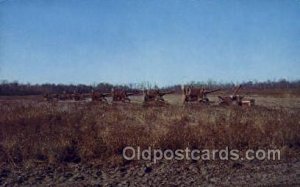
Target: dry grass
{"x":85,"y":132}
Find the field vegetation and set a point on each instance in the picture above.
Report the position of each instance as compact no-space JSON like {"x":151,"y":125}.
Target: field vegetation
{"x":35,"y":131}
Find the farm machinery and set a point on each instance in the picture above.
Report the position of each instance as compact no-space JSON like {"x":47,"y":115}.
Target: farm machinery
{"x":122,"y":95}
{"x":99,"y":96}
{"x":194,"y":94}
{"x":235,"y":99}
{"x":116,"y":94}
{"x":155,"y":96}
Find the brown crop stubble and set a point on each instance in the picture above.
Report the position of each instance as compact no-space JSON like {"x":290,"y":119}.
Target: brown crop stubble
{"x":83,"y":132}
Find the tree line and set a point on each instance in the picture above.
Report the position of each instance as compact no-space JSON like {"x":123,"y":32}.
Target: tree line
{"x":15,"y":88}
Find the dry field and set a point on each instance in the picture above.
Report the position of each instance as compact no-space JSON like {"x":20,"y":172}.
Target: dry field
{"x":81,"y":143}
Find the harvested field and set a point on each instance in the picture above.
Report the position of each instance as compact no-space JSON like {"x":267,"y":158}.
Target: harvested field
{"x":149,"y":93}
{"x":77,"y":140}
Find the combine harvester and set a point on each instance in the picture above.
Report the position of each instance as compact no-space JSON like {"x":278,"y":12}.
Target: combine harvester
{"x":235,"y":99}
{"x":122,"y":95}
{"x":193,"y":94}
{"x":97,"y":96}
{"x":155,"y":97}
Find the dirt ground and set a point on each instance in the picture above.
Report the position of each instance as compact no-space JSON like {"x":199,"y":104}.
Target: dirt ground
{"x":165,"y":173}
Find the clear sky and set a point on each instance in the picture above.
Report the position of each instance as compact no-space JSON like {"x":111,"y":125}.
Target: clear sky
{"x":160,"y":41}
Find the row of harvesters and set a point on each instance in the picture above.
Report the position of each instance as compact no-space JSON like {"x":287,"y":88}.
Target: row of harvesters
{"x":116,"y":94}
{"x":190,"y":95}
{"x":194,"y":94}
{"x":121,"y":95}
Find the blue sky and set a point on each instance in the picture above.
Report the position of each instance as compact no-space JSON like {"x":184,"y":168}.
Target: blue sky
{"x":160,"y":41}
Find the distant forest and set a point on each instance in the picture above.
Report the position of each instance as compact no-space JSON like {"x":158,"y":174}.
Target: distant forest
{"x":21,"y":89}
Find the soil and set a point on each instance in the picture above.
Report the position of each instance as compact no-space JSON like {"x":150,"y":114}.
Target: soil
{"x":164,"y":173}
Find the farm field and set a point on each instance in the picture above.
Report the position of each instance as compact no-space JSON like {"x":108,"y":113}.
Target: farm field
{"x":72,"y":143}
{"x":149,"y":93}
